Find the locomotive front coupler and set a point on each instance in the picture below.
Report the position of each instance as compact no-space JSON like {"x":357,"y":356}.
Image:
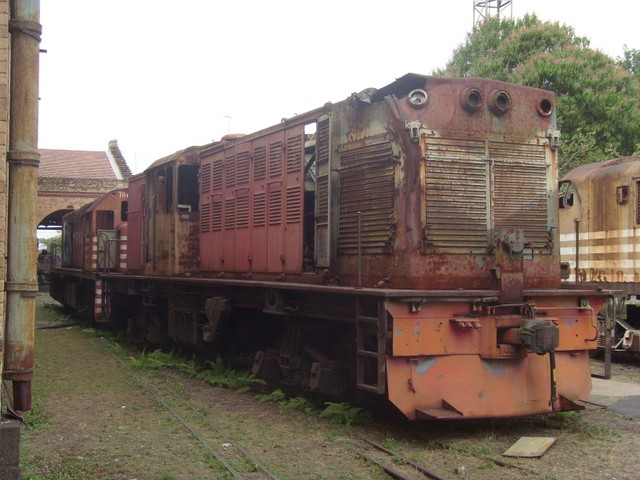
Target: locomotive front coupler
{"x":540,"y":337}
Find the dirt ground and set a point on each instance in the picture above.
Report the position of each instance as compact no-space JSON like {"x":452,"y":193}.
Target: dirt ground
{"x":96,"y":417}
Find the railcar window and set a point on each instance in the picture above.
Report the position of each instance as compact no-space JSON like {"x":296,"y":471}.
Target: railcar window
{"x":124,"y":210}
{"x":104,"y":220}
{"x":188,"y":192}
{"x":622,"y":195}
{"x":565,"y":190}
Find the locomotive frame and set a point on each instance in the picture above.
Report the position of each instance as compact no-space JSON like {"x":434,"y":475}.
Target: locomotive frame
{"x":402,"y":242}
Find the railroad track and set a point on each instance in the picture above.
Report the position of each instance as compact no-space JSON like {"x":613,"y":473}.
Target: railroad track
{"x":393,"y":463}
{"x":238,"y":462}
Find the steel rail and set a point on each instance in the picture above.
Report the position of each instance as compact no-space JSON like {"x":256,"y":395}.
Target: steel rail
{"x":391,"y":470}
{"x":417,"y":466}
{"x":250,"y":457}
{"x":157,"y":396}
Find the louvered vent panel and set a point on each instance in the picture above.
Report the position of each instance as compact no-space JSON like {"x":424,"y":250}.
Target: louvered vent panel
{"x":260,"y":163}
{"x":275,"y":159}
{"x":294,"y":209}
{"x":145,"y":219}
{"x":295,"y":154}
{"x":366,"y":186}
{"x":205,"y":217}
{"x":275,"y":207}
{"x":520,"y":194}
{"x":230,"y":171}
{"x":323,"y":196}
{"x":161,"y":192}
{"x":456,"y":195}
{"x":243,"y":161}
{"x":216,"y":181}
{"x":205,"y":178}
{"x":242,"y":212}
{"x":322,"y":145}
{"x":216,"y":216}
{"x":259,"y":210}
{"x":229,"y":213}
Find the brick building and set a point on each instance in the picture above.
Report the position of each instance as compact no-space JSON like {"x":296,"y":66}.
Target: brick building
{"x":68,"y":179}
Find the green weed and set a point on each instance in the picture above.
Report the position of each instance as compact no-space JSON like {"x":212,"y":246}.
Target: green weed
{"x":297,"y":403}
{"x":159,"y":359}
{"x":342,"y":413}
{"x":275,"y":396}
{"x":218,"y":374}
{"x":36,"y":418}
{"x":389,"y":443}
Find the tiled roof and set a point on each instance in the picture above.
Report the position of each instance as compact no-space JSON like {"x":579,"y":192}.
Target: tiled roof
{"x":83,"y":164}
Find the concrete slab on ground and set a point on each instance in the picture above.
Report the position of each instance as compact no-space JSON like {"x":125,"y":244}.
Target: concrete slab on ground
{"x":619,"y":397}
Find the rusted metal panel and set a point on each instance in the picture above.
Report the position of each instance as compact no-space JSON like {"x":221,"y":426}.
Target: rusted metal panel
{"x":294,"y":199}
{"x":211,"y":211}
{"x":275,"y":202}
{"x":229,"y":209}
{"x":171,"y":214}
{"x":206,"y":259}
{"x":259,"y":207}
{"x":367,"y":196}
{"x":253,"y":219}
{"x":322,"y":213}
{"x":603,"y":198}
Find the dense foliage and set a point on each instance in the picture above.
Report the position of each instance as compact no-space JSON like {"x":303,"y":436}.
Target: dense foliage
{"x":598,"y":97}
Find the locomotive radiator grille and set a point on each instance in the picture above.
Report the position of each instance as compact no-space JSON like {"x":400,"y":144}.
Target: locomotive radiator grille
{"x":519,"y":192}
{"x":456,"y":195}
{"x":473,"y":189}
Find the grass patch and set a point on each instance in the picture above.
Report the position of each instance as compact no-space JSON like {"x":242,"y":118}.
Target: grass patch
{"x":36,"y":418}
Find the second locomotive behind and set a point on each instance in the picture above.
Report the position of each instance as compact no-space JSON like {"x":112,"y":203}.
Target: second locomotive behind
{"x":402,"y":242}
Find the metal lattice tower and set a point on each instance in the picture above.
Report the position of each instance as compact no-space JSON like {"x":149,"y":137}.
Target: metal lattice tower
{"x":483,"y":9}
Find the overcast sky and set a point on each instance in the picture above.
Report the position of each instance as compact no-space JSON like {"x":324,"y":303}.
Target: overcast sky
{"x":160,"y":75}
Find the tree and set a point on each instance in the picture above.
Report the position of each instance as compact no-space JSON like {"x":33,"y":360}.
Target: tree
{"x":598,"y":97}
{"x":630,"y":60}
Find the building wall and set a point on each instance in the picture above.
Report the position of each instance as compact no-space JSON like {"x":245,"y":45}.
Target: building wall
{"x":56,"y":194}
{"x":4,"y":122}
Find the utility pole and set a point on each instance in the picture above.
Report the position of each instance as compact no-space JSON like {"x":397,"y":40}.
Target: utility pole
{"x":483,"y":9}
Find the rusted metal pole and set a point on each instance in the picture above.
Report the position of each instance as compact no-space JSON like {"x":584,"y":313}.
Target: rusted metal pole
{"x":577,"y":224}
{"x":23,"y":160}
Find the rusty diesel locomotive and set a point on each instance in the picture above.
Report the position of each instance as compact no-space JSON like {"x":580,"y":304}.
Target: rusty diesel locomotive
{"x":599,"y":240}
{"x":401,"y":243}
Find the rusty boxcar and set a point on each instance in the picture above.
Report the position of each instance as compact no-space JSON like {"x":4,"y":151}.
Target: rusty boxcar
{"x":600,"y":239}
{"x":402,"y":242}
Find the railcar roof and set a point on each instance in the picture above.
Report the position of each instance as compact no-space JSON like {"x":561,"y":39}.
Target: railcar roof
{"x":614,"y":166}
{"x":89,"y":207}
